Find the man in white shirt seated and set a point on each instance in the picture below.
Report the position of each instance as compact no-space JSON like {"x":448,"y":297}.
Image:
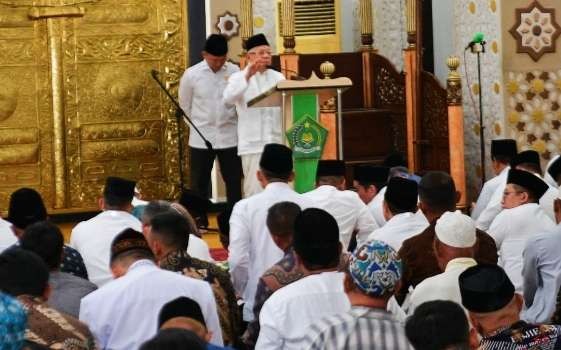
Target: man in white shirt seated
{"x":502,"y":151}
{"x":454,"y":251}
{"x":370,"y":184}
{"x":200,"y":96}
{"x":252,"y":250}
{"x":92,"y":238}
{"x":257,"y":126}
{"x":400,"y":211}
{"x":124,"y":313}
{"x":291,"y":310}
{"x":351,"y":214}
{"x":373,"y":276}
{"x":520,"y":219}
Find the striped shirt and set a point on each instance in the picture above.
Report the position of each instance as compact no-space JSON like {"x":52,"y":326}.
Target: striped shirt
{"x":360,"y":328}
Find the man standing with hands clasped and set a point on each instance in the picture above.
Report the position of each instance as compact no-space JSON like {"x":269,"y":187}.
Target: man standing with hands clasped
{"x":256,"y":126}
{"x":200,"y":96}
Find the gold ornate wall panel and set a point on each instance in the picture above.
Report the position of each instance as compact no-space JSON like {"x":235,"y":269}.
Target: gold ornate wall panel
{"x":86,"y":106}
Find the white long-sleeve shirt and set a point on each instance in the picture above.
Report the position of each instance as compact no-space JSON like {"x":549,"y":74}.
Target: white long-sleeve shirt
{"x":510,"y":230}
{"x":92,"y":239}
{"x":348,"y":210}
{"x":376,"y":207}
{"x":124,"y":313}
{"x":399,"y":228}
{"x":7,"y":237}
{"x":487,"y":191}
{"x":542,"y":275}
{"x":252,"y":250}
{"x":291,"y":310}
{"x":256,"y":126}
{"x":200,"y":96}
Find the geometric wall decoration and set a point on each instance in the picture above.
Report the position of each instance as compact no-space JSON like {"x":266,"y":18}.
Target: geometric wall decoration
{"x":228,"y":25}
{"x":535,"y":30}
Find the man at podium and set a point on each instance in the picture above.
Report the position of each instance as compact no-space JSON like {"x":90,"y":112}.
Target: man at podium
{"x":256,"y":126}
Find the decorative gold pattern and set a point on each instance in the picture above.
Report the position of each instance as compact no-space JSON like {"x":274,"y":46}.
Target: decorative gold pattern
{"x":77,"y":102}
{"x":412,"y":22}
{"x":434,"y":127}
{"x":389,"y":85}
{"x":366,"y":24}
{"x":454,"y":82}
{"x":246,"y":27}
{"x":287,"y":7}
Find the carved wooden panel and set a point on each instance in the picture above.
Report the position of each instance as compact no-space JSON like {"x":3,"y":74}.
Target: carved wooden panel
{"x":435,"y":149}
{"x":78,"y":104}
{"x":389,"y":84}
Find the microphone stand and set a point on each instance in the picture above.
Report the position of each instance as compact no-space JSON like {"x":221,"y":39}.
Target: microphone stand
{"x":179,"y":113}
{"x":478,"y":49}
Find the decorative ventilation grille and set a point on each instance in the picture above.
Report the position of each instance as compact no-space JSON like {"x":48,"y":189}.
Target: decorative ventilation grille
{"x":312,"y":17}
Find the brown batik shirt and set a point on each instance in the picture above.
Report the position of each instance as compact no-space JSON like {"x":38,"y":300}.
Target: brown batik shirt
{"x":219,"y":280}
{"x":53,"y":329}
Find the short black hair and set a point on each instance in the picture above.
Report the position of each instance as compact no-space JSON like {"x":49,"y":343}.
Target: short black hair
{"x":44,"y":239}
{"x":316,"y":239}
{"x":438,"y":325}
{"x":504,"y":159}
{"x":22,"y":272}
{"x":395,"y":209}
{"x":172,"y":229}
{"x":273,"y":176}
{"x":174,"y":339}
{"x":281,"y":217}
{"x":438,"y":191}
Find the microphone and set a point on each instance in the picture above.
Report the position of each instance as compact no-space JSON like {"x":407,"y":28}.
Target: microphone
{"x":478,"y":38}
{"x":179,"y":111}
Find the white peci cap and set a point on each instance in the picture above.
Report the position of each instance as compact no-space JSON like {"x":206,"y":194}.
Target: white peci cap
{"x":456,"y":230}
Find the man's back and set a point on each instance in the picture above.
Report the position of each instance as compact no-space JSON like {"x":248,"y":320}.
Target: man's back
{"x":252,"y":250}
{"x":348,"y":210}
{"x":124,"y":313}
{"x":67,"y":290}
{"x":399,"y":228}
{"x":92,"y":239}
{"x":289,"y":312}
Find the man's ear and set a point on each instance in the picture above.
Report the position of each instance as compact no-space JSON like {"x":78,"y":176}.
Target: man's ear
{"x":348,"y":283}
{"x":291,"y":176}
{"x":101,"y":203}
{"x":519,"y":301}
{"x":525,"y":197}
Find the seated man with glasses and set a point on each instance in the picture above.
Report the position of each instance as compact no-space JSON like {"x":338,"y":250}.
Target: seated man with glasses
{"x":521,"y":218}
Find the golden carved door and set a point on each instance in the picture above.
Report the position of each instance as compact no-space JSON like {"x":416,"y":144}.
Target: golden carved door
{"x":80,"y":104}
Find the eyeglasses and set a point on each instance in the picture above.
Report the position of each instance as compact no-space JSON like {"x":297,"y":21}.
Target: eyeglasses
{"x":261,"y":53}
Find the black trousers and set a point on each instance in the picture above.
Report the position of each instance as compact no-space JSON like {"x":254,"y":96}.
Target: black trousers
{"x":201,"y":162}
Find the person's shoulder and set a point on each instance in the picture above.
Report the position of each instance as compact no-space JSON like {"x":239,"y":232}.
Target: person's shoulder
{"x":212,"y":269}
{"x":232,"y":67}
{"x":426,"y":235}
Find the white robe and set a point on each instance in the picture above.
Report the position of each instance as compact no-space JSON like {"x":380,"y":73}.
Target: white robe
{"x":510,"y":230}
{"x":487,"y":191}
{"x":348,"y":210}
{"x":252,"y":250}
{"x":399,"y":228}
{"x":376,"y":207}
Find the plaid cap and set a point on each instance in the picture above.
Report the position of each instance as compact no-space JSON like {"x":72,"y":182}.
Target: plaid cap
{"x":375,"y":268}
{"x":13,"y":321}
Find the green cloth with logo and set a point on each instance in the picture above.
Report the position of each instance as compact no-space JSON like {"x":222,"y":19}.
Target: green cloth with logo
{"x":307,"y":139}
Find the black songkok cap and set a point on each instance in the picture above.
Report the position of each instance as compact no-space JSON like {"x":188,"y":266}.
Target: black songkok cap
{"x":119,"y":188}
{"x":371,"y":174}
{"x":331,"y":168}
{"x":555,"y":168}
{"x":181,"y":307}
{"x":26,"y":208}
{"x":256,"y":40}
{"x":316,"y":236}
{"x":485,"y":288}
{"x":402,"y":193}
{"x":531,"y":157}
{"x":276,"y":158}
{"x":527,"y":180}
{"x":503,"y":148}
{"x":216,"y":45}
{"x":127,"y":240}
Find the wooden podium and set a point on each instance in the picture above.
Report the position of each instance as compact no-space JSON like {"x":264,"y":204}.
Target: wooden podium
{"x":311,"y":116}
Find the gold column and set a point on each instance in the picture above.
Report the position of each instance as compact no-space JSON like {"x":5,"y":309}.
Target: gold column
{"x":288,"y":41}
{"x":246,"y":28}
{"x":366,"y":31}
{"x":412,"y":22}
{"x":55,"y":17}
{"x":456,"y":128}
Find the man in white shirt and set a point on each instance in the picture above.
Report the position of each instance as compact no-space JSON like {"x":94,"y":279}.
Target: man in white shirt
{"x":400,"y":211}
{"x":200,"y":96}
{"x":92,"y":238}
{"x":256,"y":126}
{"x":502,"y":151}
{"x":252,"y":250}
{"x":351,"y":214}
{"x":454,"y":251}
{"x":520,"y":219}
{"x":370,"y":184}
{"x":123,"y":314}
{"x":291,"y":310}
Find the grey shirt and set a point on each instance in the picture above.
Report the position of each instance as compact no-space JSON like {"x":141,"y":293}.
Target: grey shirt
{"x":66,"y":292}
{"x":542,"y":275}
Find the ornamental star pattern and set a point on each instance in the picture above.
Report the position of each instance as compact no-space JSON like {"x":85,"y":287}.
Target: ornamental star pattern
{"x":536,"y":30}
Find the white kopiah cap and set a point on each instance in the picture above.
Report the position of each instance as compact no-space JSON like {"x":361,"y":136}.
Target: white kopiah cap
{"x":456,"y":230}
